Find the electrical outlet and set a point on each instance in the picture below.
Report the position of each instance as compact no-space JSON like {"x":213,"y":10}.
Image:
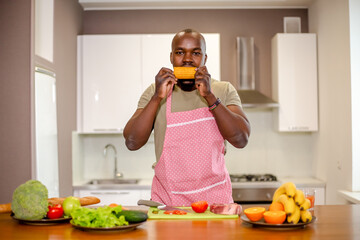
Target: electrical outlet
{"x":338,"y":164}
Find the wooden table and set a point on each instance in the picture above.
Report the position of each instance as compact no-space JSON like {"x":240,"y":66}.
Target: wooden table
{"x":338,"y":222}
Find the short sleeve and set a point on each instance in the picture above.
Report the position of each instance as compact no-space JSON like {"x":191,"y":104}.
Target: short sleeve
{"x":232,"y":97}
{"x":146,"y":96}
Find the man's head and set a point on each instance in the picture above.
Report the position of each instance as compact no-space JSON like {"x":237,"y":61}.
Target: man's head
{"x":188,"y":49}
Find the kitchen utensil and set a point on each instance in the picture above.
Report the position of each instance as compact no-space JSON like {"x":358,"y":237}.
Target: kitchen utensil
{"x":191,"y":215}
{"x":160,"y":206}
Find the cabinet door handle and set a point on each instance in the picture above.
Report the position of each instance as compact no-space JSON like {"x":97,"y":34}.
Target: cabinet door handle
{"x":298,"y":128}
{"x":109,"y":193}
{"x":268,"y":195}
{"x":108,"y":129}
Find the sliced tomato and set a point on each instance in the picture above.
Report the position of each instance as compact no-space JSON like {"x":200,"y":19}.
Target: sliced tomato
{"x":55,"y":211}
{"x":175,"y":212}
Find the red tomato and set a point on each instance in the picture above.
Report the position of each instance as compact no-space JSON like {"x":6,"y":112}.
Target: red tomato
{"x":200,"y":206}
{"x":55,"y":211}
{"x":175,"y":212}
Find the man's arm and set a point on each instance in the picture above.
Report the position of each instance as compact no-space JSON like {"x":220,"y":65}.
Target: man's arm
{"x":138,"y":129}
{"x":233,"y":124}
{"x":231,"y":120}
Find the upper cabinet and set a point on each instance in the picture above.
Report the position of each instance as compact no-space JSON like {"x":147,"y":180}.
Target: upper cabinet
{"x":109,"y":81}
{"x":294,"y":82}
{"x":44,"y":29}
{"x":114,"y":70}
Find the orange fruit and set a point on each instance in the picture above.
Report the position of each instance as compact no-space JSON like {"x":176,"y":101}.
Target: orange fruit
{"x":276,"y":206}
{"x":274,"y":217}
{"x":254,"y":213}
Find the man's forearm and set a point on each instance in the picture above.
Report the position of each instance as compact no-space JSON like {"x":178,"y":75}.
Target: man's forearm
{"x":233,"y":124}
{"x":139,"y":127}
{"x":231,"y":121}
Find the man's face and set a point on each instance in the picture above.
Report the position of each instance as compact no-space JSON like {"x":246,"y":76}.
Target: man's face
{"x":188,"y":50}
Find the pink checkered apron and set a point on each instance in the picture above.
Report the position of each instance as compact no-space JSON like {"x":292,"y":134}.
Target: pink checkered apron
{"x":191,"y":167}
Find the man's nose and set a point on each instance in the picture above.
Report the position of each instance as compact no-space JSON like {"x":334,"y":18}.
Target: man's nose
{"x":187,"y":57}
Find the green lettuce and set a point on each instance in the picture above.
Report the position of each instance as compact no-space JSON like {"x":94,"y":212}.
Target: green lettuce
{"x":105,"y":217}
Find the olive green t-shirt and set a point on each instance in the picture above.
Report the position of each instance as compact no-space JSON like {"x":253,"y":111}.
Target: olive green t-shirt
{"x":185,"y":101}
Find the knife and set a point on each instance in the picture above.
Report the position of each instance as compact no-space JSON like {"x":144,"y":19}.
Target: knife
{"x":160,"y":206}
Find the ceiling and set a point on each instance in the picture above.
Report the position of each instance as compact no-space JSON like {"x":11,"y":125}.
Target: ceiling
{"x":190,"y":4}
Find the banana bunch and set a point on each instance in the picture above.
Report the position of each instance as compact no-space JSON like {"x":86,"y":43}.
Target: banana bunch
{"x":295,"y":204}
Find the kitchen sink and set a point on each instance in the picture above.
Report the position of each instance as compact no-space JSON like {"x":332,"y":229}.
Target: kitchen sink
{"x":113,"y":181}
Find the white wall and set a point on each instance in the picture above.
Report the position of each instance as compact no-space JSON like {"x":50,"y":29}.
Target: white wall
{"x":332,"y":144}
{"x":354,"y":6}
{"x":269,"y":151}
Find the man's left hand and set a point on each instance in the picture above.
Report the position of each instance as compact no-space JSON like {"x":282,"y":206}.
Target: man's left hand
{"x":202,"y":81}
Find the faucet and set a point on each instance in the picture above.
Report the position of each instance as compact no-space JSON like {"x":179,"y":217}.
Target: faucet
{"x":116,"y":173}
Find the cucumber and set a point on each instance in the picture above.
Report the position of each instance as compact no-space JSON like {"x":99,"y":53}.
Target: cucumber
{"x":133,"y":216}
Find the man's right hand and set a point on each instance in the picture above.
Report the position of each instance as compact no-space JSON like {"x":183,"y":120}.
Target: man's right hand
{"x":164,"y":81}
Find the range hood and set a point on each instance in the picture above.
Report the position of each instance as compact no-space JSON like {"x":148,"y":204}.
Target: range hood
{"x":250,"y":97}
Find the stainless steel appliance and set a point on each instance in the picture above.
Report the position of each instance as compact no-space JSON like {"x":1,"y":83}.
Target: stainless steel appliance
{"x":253,"y":188}
{"x":250,"y":97}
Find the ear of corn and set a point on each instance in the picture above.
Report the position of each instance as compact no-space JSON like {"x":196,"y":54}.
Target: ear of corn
{"x":184,"y":72}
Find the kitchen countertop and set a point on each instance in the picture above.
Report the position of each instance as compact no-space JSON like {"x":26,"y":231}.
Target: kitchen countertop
{"x":300,"y":182}
{"x":333,"y":222}
{"x":353,"y":197}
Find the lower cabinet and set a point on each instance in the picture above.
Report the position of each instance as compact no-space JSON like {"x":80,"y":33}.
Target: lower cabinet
{"x":319,"y":196}
{"x":125,"y":197}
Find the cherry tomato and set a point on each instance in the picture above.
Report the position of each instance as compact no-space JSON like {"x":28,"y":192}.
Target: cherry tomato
{"x":55,"y":211}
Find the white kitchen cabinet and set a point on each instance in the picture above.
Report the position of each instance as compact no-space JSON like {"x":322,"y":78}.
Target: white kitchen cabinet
{"x":114,"y":70}
{"x":294,"y":82}
{"x":125,"y":197}
{"x":109,"y":81}
{"x":319,"y":196}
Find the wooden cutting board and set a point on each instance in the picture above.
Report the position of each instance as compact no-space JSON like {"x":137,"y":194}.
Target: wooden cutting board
{"x":190,"y":215}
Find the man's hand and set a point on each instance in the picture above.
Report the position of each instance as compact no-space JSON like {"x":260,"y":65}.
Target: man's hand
{"x":164,"y":80}
{"x":202,"y":81}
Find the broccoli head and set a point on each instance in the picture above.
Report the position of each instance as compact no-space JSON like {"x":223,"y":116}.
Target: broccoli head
{"x":30,"y":201}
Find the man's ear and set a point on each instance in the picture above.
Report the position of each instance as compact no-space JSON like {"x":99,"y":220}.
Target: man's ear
{"x":205,"y":59}
{"x":171,"y":58}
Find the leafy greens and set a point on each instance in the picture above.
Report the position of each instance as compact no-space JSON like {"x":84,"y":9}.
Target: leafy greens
{"x":105,"y":217}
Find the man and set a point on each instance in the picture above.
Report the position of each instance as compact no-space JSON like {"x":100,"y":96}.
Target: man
{"x":191,"y":119}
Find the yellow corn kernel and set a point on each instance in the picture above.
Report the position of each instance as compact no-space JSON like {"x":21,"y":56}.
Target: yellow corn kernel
{"x":184,"y":72}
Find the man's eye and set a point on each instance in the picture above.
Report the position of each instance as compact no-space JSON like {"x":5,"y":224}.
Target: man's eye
{"x":178,"y":52}
{"x":197,"y":53}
